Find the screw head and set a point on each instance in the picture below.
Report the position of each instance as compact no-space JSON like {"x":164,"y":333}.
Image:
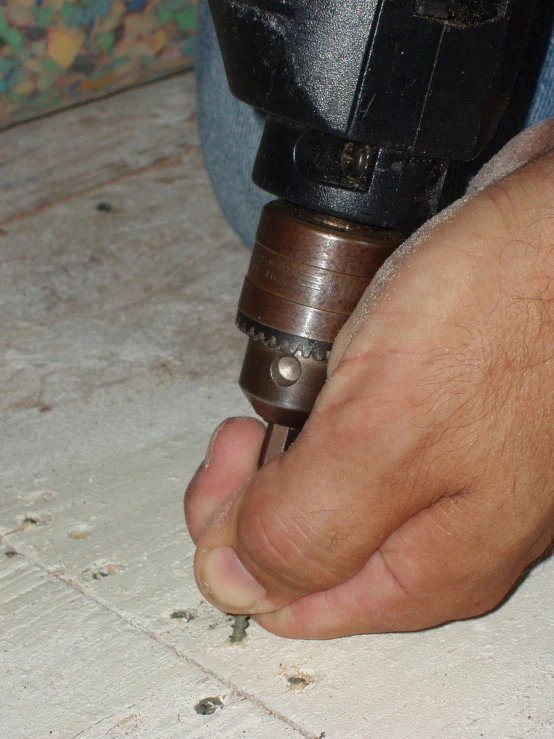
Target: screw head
{"x":355,"y":158}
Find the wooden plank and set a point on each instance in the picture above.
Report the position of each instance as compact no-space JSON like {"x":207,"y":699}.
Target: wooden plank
{"x":490,"y":676}
{"x":71,"y":668}
{"x":47,"y":159}
{"x":109,"y":320}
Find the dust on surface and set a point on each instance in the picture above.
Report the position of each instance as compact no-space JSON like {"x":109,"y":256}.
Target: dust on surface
{"x":183,"y":615}
{"x":126,"y":726}
{"x":78,"y":534}
{"x":39,"y":496}
{"x":102,"y":571}
{"x":32,"y":520}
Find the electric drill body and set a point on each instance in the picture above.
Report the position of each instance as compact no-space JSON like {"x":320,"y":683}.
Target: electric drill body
{"x":366,"y":103}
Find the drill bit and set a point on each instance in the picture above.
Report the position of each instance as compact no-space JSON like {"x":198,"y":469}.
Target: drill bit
{"x":277,"y":440}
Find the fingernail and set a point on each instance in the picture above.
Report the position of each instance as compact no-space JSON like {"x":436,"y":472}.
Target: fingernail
{"x":228,"y":582}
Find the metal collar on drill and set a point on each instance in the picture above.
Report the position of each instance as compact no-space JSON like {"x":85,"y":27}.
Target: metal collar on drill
{"x":282,"y":341}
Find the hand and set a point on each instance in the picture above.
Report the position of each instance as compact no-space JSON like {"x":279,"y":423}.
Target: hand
{"x":421,"y":488}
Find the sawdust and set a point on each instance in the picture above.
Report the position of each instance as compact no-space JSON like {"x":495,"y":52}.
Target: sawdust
{"x":524,"y":148}
{"x":31,"y":520}
{"x":78,"y":534}
{"x":99,"y":572}
{"x":186,"y":616}
{"x":39,"y":496}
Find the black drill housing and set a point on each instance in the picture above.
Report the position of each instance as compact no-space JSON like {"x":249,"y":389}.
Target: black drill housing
{"x":368,"y":101}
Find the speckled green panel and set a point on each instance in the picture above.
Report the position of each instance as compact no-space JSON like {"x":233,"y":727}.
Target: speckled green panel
{"x":55,"y":53}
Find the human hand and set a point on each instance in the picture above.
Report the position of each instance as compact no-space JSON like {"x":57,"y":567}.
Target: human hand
{"x":422,"y":486}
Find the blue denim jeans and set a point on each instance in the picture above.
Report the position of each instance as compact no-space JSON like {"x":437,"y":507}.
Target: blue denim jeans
{"x":230,"y":131}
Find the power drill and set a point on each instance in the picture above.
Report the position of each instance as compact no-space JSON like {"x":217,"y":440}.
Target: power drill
{"x":366,"y":104}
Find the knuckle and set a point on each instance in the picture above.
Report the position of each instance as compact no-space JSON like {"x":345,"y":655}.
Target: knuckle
{"x":481,"y":587}
{"x":479,"y":600}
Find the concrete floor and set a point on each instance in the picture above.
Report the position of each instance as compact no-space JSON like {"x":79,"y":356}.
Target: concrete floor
{"x":119,"y":356}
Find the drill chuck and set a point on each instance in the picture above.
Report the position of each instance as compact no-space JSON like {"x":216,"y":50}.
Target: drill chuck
{"x":306,"y":275}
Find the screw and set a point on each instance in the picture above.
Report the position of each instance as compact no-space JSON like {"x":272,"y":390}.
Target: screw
{"x":240,"y":624}
{"x":355,"y":158}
